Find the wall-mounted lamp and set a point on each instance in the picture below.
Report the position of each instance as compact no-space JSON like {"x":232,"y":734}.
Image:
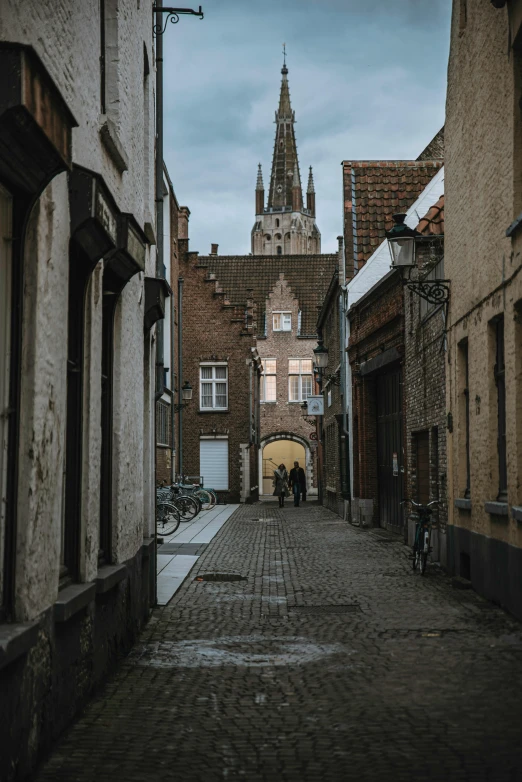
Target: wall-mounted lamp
{"x":402,"y":242}
{"x":186,"y":395}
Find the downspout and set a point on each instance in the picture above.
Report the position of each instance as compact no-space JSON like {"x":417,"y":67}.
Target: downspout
{"x":180,"y":374}
{"x":160,"y":361}
{"x":172,"y":406}
{"x":342,"y":351}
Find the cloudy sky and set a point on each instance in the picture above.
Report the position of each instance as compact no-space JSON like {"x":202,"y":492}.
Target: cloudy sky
{"x":367,"y":81}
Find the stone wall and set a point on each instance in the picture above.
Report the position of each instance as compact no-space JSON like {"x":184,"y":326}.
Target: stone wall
{"x":483,"y":134}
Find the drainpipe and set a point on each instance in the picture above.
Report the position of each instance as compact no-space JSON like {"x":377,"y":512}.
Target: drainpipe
{"x":180,"y":374}
{"x":343,"y":358}
{"x":172,"y":406}
{"x":160,"y":362}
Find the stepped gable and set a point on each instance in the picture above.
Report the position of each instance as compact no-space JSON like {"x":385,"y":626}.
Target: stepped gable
{"x":251,"y":277}
{"x":374,"y":190}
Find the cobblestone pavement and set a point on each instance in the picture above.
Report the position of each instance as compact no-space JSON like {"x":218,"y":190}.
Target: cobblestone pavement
{"x":331,"y":660}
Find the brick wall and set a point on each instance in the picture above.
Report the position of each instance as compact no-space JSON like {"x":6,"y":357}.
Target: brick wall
{"x":214,"y":330}
{"x":424,"y":381}
{"x":376,"y":326}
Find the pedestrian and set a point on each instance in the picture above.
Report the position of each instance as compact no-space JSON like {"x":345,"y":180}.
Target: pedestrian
{"x":281,"y":484}
{"x":297,"y":483}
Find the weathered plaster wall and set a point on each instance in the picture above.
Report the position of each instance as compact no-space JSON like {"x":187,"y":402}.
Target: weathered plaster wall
{"x":42,"y":428}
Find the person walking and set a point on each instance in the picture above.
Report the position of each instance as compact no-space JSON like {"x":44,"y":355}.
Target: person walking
{"x":281,"y":484}
{"x":297,"y":483}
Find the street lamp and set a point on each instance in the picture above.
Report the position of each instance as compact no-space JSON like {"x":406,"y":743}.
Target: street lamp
{"x":320,"y":356}
{"x":402,"y":241}
{"x":186,"y":395}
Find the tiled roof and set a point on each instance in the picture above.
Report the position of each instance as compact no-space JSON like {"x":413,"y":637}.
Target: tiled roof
{"x":254,"y":277}
{"x":432,"y":224}
{"x":374,"y":190}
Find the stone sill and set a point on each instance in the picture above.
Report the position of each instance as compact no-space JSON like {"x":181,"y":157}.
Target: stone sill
{"x":215,"y":410}
{"x":16,"y":640}
{"x":496,"y":508}
{"x":462,"y":503}
{"x":147,"y":547}
{"x":72,"y":599}
{"x":108,"y":577}
{"x":516,"y":512}
{"x":113,"y":145}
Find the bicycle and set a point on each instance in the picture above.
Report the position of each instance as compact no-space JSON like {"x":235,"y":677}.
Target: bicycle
{"x":188,"y":505}
{"x":422,"y":541}
{"x":168,"y":518}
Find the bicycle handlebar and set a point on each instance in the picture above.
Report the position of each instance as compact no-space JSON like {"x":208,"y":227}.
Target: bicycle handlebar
{"x":420,"y":505}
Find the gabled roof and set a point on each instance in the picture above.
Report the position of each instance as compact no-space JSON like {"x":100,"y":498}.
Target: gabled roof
{"x":432,"y":224}
{"x":374,"y":190}
{"x":254,"y":277}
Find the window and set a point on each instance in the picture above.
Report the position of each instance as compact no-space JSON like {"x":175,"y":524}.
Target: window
{"x":163,"y":423}
{"x":268,"y":380}
{"x":279,"y":250}
{"x":214,"y":387}
{"x":464,"y":411}
{"x":282,"y":321}
{"x":499,"y":372}
{"x":277,"y":224}
{"x":299,"y":379}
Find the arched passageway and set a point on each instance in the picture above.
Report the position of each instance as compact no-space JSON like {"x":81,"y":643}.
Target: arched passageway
{"x":277,"y":452}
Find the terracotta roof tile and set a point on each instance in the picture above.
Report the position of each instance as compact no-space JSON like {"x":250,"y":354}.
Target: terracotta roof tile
{"x":373,"y":192}
{"x":432,"y":224}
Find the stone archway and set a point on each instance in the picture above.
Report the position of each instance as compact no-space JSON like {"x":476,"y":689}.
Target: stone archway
{"x":293,"y":447}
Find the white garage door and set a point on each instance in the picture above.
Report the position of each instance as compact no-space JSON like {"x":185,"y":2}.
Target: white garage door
{"x":213,"y":463}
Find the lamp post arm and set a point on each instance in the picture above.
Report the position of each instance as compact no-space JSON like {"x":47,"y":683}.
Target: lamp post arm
{"x":173,"y":15}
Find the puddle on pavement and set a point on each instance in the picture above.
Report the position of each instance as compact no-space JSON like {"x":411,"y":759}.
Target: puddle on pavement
{"x":256,"y":651}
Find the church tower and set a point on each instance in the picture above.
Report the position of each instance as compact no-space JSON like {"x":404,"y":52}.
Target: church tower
{"x":284,"y":226}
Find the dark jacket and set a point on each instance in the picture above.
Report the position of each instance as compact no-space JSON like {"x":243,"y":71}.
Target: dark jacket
{"x":297,"y":475}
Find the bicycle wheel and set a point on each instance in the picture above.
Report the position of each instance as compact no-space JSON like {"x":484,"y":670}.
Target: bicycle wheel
{"x":167,"y":518}
{"x":213,"y":496}
{"x":204,"y":497}
{"x":187,"y":506}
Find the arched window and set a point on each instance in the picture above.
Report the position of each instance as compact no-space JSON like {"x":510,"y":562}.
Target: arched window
{"x":277,"y":222}
{"x":279,"y":250}
{"x":278,"y":237}
{"x":268,"y":238}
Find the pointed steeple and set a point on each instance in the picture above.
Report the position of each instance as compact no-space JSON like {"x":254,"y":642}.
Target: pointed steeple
{"x":311,"y":187}
{"x":310,"y":194}
{"x":259,"y":183}
{"x":260,"y":192}
{"x":297,"y":196}
{"x":285,"y":158}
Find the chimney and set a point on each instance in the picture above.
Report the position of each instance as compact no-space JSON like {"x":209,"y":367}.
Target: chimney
{"x":214,"y":249}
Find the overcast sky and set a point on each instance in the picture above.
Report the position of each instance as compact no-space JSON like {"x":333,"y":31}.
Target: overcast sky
{"x":367,"y":81}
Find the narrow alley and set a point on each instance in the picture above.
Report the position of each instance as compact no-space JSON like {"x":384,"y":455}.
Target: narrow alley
{"x":302,"y":648}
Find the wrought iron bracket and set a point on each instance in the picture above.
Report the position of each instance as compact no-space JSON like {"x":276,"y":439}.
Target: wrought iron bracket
{"x":334,"y":379}
{"x":179,"y":407}
{"x":173,"y":15}
{"x":433,"y":291}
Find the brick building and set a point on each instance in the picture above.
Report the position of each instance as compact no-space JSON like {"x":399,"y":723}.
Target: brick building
{"x":373,"y":191}
{"x":424,"y":382}
{"x":483,"y":244}
{"x":267,"y":302}
{"x":376,"y":356}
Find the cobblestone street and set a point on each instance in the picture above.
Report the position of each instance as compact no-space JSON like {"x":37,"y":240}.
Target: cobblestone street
{"x":329,"y":660}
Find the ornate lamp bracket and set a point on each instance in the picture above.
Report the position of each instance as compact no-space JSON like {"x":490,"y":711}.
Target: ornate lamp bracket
{"x":433,"y":291}
{"x":173,"y":15}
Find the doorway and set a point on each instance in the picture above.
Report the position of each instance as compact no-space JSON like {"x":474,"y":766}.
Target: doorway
{"x":389,"y":449}
{"x":280,"y":452}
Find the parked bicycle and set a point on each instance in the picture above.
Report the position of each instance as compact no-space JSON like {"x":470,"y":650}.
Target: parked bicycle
{"x":422,"y":541}
{"x":168,"y":516}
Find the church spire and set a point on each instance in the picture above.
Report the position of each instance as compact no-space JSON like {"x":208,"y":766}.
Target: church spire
{"x":310,"y":194}
{"x":260,"y":192}
{"x":285,"y":159}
